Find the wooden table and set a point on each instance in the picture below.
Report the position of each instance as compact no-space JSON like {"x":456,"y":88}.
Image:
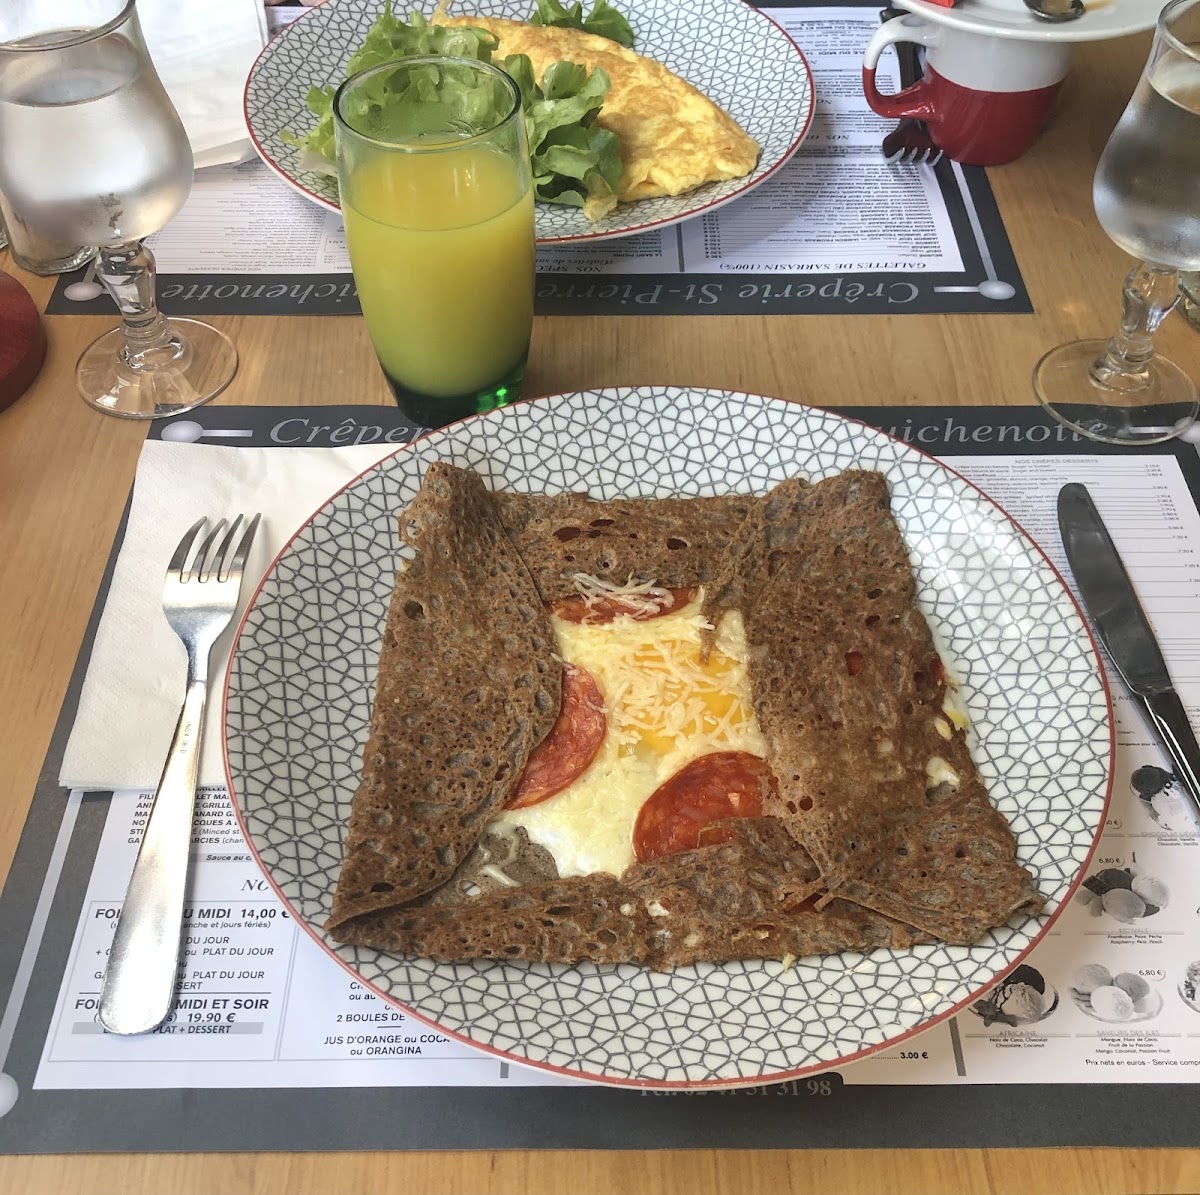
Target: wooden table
{"x":65,"y":472}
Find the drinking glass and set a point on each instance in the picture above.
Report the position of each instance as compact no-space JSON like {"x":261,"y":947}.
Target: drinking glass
{"x":1147,"y":197}
{"x":437,"y":200}
{"x":92,"y":152}
{"x":36,"y":253}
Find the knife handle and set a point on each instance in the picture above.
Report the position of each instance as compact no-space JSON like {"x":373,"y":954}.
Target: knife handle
{"x":1170,"y":720}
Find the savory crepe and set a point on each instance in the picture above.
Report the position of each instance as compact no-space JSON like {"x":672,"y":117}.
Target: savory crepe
{"x":875,"y":778}
{"x":468,"y":685}
{"x":805,"y":785}
{"x":672,"y":137}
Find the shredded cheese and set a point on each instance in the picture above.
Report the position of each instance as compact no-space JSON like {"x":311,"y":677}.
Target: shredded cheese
{"x":642,"y":597}
{"x":954,"y":707}
{"x":501,"y":877}
{"x":658,"y":695}
{"x":664,"y":709}
{"x":938,"y":771}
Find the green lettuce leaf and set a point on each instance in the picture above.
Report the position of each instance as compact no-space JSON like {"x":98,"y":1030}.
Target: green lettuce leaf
{"x":604,"y":20}
{"x":388,"y":38}
{"x":571,"y":157}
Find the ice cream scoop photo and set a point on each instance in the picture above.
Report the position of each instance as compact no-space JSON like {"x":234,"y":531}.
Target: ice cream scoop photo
{"x":1123,"y":894}
{"x":1160,"y":796}
{"x":1189,"y":986}
{"x":1125,"y":996}
{"x":1022,"y":998}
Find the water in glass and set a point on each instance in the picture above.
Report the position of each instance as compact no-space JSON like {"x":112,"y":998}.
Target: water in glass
{"x":92,"y":151}
{"x":91,"y":142}
{"x":1145,"y":189}
{"x":1146,"y":192}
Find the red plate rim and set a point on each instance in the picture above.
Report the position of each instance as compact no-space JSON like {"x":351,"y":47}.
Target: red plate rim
{"x":658,"y":1084}
{"x":583,"y":238}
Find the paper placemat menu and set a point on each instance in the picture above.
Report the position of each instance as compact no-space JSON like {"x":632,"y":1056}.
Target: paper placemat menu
{"x":837,"y":229}
{"x":1111,"y":995}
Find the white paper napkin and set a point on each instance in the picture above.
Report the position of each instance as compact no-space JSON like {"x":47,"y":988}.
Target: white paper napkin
{"x":134,"y":684}
{"x":203,"y":50}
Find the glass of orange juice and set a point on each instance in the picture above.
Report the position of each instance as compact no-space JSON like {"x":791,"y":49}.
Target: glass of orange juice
{"x":437,"y":200}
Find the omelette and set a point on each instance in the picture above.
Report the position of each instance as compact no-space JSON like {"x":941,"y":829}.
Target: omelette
{"x":665,"y":732}
{"x":672,"y":137}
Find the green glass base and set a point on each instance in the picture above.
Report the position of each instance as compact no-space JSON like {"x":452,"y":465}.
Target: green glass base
{"x":428,"y":410}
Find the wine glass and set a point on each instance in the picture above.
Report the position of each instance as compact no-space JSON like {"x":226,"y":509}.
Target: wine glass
{"x":1147,"y":197}
{"x":93,"y":152}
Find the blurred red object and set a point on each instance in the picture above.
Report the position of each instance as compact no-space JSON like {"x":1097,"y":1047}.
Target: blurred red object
{"x":22,"y":340}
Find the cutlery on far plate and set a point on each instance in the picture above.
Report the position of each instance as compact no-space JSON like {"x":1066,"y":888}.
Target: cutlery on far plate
{"x":1056,"y":10}
{"x":200,"y":595}
{"x":1125,"y":631}
{"x":909,"y":141}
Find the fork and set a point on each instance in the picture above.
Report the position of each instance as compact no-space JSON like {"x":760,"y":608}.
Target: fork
{"x":909,"y":141}
{"x":198,"y":602}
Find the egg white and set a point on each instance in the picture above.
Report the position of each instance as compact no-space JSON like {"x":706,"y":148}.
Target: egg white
{"x":588,"y":827}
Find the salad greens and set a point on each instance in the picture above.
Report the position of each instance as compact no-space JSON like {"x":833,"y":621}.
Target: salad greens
{"x":604,"y":20}
{"x":573,"y":159}
{"x":388,"y":38}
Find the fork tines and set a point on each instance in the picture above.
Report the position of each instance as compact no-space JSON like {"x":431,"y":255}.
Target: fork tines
{"x":208,"y":564}
{"x":908,"y":142}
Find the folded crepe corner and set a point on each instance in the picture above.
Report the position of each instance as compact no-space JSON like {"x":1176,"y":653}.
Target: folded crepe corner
{"x":468,"y":685}
{"x":849,"y":690}
{"x":862,"y":844}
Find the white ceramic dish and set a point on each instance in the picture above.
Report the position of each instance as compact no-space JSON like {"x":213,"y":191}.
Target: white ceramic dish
{"x":302,"y":680}
{"x":733,"y":53}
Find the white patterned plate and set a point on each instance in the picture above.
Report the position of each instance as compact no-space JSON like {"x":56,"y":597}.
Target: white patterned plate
{"x":734,"y":54}
{"x":302,"y":680}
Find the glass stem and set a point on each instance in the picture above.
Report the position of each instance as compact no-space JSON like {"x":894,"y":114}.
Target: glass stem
{"x":1149,"y":294}
{"x":127,"y":272}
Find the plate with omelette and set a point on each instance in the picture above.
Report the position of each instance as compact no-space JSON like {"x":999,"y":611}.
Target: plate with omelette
{"x":668,"y":738}
{"x":712,"y":99}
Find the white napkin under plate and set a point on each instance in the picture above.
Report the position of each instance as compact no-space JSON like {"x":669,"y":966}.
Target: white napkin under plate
{"x":134,"y":684}
{"x":203,"y":50}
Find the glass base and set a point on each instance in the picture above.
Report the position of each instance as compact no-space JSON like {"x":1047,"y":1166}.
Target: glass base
{"x":197,"y":364}
{"x":64,"y":263}
{"x":1160,"y":408}
{"x":431,"y":410}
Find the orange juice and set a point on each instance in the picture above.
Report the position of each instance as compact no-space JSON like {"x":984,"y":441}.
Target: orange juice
{"x":442,"y":247}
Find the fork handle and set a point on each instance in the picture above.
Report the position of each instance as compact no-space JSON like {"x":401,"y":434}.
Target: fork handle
{"x":139,"y":984}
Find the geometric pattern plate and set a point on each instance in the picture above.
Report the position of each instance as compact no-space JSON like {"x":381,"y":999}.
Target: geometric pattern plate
{"x":734,"y":54}
{"x":302,"y":679}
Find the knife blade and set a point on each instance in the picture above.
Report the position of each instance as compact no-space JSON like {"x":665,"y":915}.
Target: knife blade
{"x":1123,"y":628}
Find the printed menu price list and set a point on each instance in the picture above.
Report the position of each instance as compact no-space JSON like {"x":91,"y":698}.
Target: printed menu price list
{"x":257,"y":1002}
{"x":211,"y":950}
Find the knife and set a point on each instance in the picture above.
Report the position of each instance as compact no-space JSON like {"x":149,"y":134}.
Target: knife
{"x":1124,"y":629}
